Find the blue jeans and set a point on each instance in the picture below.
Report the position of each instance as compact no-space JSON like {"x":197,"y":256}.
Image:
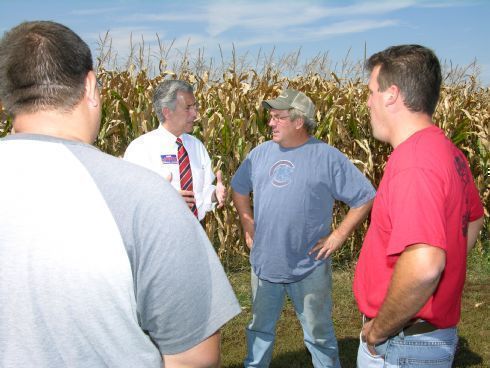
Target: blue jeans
{"x":312,"y":300}
{"x":432,"y":349}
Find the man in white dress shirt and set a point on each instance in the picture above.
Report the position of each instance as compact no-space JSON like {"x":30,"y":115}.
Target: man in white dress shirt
{"x":176,"y":109}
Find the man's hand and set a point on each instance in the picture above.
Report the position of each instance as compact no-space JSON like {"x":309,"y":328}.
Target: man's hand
{"x":220,"y":192}
{"x":249,"y":237}
{"x":369,"y":339}
{"x":188,"y":196}
{"x":327,"y":245}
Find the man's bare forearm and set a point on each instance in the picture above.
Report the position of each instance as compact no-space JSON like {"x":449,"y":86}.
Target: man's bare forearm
{"x":415,"y":278}
{"x":245,"y":212}
{"x":329,"y":244}
{"x":352,"y":219}
{"x":474,"y":228}
{"x":204,"y":355}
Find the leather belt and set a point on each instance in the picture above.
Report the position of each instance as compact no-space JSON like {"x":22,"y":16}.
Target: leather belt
{"x":415,"y":327}
{"x":418,"y":327}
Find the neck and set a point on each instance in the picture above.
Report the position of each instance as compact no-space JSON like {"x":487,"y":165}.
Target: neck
{"x":296,"y":142}
{"x":408,"y":125}
{"x":53,"y":123}
{"x":172,"y":130}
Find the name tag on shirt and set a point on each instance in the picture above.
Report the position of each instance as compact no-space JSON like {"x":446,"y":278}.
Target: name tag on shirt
{"x":169,"y":159}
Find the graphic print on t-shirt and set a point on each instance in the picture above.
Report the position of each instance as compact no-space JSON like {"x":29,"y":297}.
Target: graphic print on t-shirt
{"x":281,"y":173}
{"x":463,"y":173}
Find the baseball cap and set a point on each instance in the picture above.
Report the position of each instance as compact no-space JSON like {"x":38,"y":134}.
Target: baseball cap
{"x":289,"y":98}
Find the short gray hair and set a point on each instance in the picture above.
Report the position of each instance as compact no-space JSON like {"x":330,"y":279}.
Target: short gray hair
{"x":309,"y":123}
{"x":166,"y":96}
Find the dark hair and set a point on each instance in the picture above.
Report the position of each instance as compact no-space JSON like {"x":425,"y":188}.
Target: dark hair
{"x":166,"y":95}
{"x":43,"y":66}
{"x":415,"y":70}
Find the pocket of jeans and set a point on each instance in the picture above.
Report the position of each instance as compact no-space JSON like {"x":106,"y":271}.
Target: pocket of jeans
{"x":366,"y":350}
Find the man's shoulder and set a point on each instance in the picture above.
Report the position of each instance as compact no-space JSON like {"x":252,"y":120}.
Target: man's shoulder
{"x":428,"y":148}
{"x":320,"y":147}
{"x":152,"y":134}
{"x":313,"y":146}
{"x":120,"y":174}
{"x":147,"y":141}
{"x":189,"y":138}
{"x":265,"y":146}
{"x":318,"y":143}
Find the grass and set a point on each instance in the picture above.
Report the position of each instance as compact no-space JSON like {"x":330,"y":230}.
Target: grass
{"x":289,"y":350}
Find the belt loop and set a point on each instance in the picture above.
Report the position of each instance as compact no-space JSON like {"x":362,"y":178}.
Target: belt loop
{"x":401,"y":335}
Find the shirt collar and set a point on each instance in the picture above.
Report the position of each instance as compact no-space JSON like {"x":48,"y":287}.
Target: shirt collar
{"x":169,"y":135}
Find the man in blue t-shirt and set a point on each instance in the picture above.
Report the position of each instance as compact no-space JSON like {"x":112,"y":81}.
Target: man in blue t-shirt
{"x":295,"y":180}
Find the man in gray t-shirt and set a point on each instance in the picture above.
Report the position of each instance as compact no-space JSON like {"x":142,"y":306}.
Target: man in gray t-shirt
{"x":295,"y":180}
{"x":101,"y":262}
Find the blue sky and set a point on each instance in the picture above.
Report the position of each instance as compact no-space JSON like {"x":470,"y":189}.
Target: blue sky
{"x":457,"y":31}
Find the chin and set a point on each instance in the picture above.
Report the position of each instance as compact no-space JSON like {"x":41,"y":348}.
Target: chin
{"x":189,"y":128}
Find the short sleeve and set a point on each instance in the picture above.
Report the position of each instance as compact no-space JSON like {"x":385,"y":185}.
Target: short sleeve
{"x":347,"y":183}
{"x":205,"y":200}
{"x":182,"y":292}
{"x":242,"y":180}
{"x":476,"y":207}
{"x":416,"y":207}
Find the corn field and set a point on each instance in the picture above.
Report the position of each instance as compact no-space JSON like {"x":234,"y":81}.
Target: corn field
{"x":232,"y":122}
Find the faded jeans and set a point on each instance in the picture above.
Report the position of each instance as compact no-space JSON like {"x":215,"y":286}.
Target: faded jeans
{"x":433,"y":349}
{"x":312,"y":300}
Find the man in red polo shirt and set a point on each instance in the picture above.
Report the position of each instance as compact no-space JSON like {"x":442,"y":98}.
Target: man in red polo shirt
{"x":426,"y":216}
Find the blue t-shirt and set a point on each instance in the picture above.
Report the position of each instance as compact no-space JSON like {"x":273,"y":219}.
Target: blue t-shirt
{"x":294,"y":193}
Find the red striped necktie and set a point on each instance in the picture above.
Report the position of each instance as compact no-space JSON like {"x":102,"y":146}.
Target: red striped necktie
{"x":185,"y":171}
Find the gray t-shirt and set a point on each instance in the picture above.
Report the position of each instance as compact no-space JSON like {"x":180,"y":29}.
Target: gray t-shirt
{"x":101,"y":262}
{"x":294,"y":190}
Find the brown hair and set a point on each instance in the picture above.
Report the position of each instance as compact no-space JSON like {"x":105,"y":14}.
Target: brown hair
{"x":43,"y":66}
{"x":415,"y":70}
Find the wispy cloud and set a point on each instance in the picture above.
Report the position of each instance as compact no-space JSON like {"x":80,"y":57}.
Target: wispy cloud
{"x":248,"y":24}
{"x":217,"y":18}
{"x":299,"y":35}
{"x":277,"y":15}
{"x":448,"y":4}
{"x":123,"y":39}
{"x":351,"y":26}
{"x":194,"y":16}
{"x":97,"y":11}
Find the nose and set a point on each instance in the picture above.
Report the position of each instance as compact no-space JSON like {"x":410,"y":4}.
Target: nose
{"x":194,"y":112}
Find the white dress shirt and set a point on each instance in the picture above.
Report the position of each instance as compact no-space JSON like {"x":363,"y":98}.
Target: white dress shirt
{"x":157,"y":151}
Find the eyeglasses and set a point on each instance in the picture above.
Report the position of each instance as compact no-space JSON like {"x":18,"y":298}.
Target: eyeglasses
{"x":280,"y":119}
{"x":195,"y":107}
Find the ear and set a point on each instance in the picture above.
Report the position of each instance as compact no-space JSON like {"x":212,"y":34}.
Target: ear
{"x":392,"y":94}
{"x":166,"y":112}
{"x":299,"y":123}
{"x":91,"y":89}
